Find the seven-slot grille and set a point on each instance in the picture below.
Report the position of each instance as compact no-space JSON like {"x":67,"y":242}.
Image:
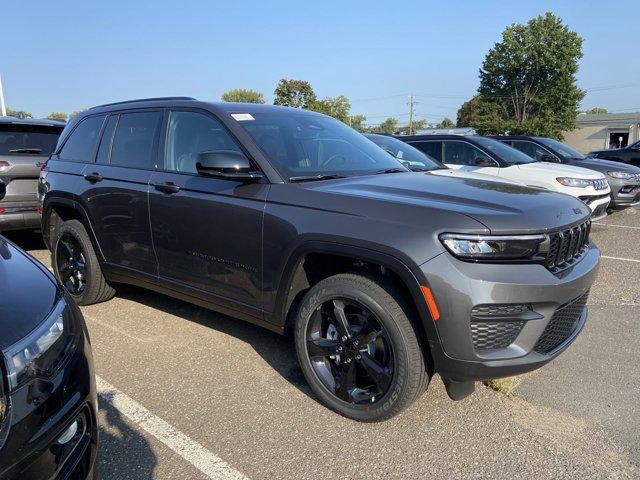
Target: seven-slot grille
{"x":600,"y":184}
{"x":562,"y":324}
{"x":567,"y":246}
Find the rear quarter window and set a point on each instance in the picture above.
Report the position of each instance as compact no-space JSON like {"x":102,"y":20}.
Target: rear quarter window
{"x":81,"y":144}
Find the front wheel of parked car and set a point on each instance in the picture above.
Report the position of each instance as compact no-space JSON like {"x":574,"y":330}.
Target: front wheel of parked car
{"x":358,"y":348}
{"x":76,"y":265}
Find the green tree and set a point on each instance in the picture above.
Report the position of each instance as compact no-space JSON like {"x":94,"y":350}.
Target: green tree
{"x":336,"y":107}
{"x":294,"y":93}
{"x":390,"y":125}
{"x":18,"y":113}
{"x":242,"y":95}
{"x":528,"y":81}
{"x":487,"y":117}
{"x":357,"y":122}
{"x":597,"y":110}
{"x":57,"y":116}
{"x":446,"y":123}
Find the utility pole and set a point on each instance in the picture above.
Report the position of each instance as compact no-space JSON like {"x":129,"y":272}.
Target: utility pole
{"x":3,"y":109}
{"x":411,"y":104}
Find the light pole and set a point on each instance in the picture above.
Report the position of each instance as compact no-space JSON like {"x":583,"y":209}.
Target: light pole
{"x":3,"y":109}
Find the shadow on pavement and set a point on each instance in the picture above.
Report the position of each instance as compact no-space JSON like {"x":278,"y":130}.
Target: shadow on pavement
{"x":124,"y":454}
{"x":277,"y":350}
{"x":26,"y":239}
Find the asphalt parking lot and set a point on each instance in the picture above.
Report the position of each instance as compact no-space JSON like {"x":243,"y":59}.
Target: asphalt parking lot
{"x":187,"y":393}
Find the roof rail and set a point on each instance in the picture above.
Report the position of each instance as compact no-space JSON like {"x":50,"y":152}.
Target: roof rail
{"x":142,"y":100}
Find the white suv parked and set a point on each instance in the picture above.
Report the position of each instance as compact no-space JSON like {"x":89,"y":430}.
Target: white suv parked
{"x":484,"y":155}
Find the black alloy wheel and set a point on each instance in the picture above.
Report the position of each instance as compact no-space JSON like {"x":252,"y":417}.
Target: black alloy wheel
{"x":71,"y":264}
{"x":350,"y":351}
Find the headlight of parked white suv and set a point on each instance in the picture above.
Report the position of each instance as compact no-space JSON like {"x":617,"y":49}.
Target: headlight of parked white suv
{"x":41,"y":352}
{"x":575,"y":182}
{"x":621,"y":175}
{"x":496,"y":247}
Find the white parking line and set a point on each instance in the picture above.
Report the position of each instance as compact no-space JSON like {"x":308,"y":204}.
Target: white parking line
{"x":207,"y":462}
{"x":620,"y":258}
{"x":619,"y":226}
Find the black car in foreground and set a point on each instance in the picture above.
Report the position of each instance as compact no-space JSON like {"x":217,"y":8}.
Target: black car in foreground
{"x":629,"y":154}
{"x":624,"y":179}
{"x":48,"y":404}
{"x":25,"y":144}
{"x":293,"y":221}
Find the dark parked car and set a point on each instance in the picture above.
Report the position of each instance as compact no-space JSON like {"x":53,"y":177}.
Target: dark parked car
{"x":24,"y":147}
{"x":623,"y":179}
{"x":293,"y":221}
{"x":629,"y":154}
{"x":48,"y":401}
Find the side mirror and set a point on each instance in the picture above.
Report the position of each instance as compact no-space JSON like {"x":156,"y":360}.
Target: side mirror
{"x":549,"y":158}
{"x":226,"y":164}
{"x":3,"y":189}
{"x":484,"y":162}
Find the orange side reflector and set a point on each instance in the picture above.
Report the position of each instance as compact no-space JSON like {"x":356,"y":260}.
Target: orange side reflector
{"x":431,"y":302}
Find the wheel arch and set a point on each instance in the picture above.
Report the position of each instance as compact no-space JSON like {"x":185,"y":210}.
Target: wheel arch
{"x":56,"y":210}
{"x":299,"y":275}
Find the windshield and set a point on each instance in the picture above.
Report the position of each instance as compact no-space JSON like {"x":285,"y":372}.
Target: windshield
{"x":302,"y":144}
{"x":408,"y":155}
{"x":18,"y":139}
{"x":505,"y":153}
{"x":561,"y":149}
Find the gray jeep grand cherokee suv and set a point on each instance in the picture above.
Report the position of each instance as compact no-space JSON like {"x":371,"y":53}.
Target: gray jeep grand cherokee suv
{"x":25,"y":144}
{"x":293,"y":221}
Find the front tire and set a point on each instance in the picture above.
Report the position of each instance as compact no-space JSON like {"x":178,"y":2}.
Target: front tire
{"x":358,"y":349}
{"x":76,"y":265}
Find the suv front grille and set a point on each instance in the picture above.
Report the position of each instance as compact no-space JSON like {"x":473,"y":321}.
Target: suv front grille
{"x":600,"y":184}
{"x":567,"y":246}
{"x":562,"y":325}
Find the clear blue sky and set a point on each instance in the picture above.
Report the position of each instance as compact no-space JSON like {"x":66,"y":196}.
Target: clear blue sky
{"x":70,"y":54}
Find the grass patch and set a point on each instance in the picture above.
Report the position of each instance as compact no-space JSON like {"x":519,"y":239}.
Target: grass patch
{"x":506,"y":386}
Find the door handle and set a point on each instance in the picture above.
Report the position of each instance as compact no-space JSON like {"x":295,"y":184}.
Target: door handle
{"x":168,"y":187}
{"x":93,"y":177}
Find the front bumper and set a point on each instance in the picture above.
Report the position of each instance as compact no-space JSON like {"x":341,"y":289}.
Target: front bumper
{"x":598,"y":205}
{"x":40,"y":412}
{"x":624,"y":193}
{"x":459,"y":286}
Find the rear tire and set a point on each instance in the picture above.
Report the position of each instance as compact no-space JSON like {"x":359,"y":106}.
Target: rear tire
{"x":379,"y":370}
{"x":76,"y":265}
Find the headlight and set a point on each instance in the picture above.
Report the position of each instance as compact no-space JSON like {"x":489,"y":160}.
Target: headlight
{"x":621,"y":175}
{"x":42,"y":351}
{"x":495,"y":247}
{"x":575,"y":182}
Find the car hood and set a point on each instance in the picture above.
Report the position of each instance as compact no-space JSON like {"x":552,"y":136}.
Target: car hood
{"x":477,"y":176}
{"x":28,"y":294}
{"x":606,"y":165}
{"x":560,"y":170}
{"x":499,"y":206}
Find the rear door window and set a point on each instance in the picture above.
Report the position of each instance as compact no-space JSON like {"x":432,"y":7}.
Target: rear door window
{"x":462,"y":153}
{"x":529,"y":148}
{"x":81,"y":144}
{"x":23,"y":139}
{"x":135,"y":140}
{"x":431,"y":148}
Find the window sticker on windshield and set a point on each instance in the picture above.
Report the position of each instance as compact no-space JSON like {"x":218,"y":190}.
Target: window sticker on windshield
{"x":241,"y":117}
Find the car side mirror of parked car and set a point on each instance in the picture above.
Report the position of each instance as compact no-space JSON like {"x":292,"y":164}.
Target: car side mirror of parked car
{"x":3,"y":189}
{"x":549,"y":158}
{"x":485,"y":162}
{"x":226,"y":164}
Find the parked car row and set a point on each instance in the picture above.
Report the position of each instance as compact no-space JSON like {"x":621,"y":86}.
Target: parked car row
{"x":383,"y":275}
